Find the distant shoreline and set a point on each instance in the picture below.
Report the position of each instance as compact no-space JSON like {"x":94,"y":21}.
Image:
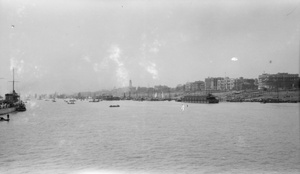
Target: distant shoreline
{"x":282,"y":95}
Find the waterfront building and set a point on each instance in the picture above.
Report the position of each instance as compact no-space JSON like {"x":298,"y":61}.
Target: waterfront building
{"x":278,"y":81}
{"x":225,"y":84}
{"x":211,"y":83}
{"x":162,"y":88}
{"x":142,"y":89}
{"x":188,"y":87}
{"x":256,"y":82}
{"x":180,"y":88}
{"x":263,"y":81}
{"x":249,"y":84}
{"x":238,"y":83}
{"x":198,"y":86}
{"x":194,"y":86}
{"x":244,"y":84}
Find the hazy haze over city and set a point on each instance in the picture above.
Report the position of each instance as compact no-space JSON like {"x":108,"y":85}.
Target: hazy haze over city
{"x":88,"y":45}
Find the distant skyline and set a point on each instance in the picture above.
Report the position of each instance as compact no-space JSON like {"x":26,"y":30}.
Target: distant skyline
{"x":88,"y":45}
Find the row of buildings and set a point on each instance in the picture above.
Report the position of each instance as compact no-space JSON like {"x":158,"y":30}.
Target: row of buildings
{"x":283,"y":81}
{"x":220,"y":84}
{"x":279,"y":81}
{"x":227,"y":83}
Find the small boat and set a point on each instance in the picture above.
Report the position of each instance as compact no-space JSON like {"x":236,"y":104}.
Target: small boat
{"x":21,"y":108}
{"x":114,"y":106}
{"x":72,"y":101}
{"x":95,"y":100}
{"x":263,"y":101}
{"x":3,"y":119}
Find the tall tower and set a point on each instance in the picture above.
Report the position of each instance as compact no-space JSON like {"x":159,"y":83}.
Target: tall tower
{"x":130,"y":88}
{"x":130,"y":84}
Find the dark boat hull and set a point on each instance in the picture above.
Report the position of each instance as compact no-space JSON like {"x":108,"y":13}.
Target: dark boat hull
{"x":206,"y":99}
{"x":21,"y":109}
{"x":7,"y":110}
{"x":112,"y":106}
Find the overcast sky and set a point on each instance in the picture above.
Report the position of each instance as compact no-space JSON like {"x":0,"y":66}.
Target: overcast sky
{"x":87,"y":45}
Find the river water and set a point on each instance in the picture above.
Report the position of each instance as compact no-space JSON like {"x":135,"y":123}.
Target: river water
{"x":151,"y":138}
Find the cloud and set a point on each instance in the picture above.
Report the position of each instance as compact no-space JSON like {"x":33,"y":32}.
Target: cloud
{"x":87,"y":59}
{"x":36,"y":71}
{"x":154,"y":50}
{"x":152,"y":70}
{"x":112,"y":63}
{"x":150,"y":67}
{"x":234,"y":59}
{"x":151,"y":46}
{"x":155,"y":46}
{"x":96,"y":67}
{"x":122,"y":75}
{"x":18,"y":65}
{"x":21,"y":10}
{"x":121,"y":71}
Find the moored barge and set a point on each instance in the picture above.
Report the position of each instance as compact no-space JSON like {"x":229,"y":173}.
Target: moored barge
{"x":209,"y":99}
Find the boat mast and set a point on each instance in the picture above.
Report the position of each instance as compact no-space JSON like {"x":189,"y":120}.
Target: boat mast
{"x":13,"y":80}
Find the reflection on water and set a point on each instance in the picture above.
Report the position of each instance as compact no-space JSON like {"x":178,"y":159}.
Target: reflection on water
{"x":151,"y":137}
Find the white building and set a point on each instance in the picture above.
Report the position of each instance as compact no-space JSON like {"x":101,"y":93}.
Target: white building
{"x":225,"y":84}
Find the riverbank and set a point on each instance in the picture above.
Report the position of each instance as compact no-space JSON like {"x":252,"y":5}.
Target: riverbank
{"x":257,"y":96}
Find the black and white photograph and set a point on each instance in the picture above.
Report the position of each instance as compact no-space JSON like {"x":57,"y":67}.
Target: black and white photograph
{"x":149,"y":86}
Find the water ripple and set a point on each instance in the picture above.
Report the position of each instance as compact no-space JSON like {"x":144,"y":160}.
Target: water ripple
{"x":150,"y":138}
